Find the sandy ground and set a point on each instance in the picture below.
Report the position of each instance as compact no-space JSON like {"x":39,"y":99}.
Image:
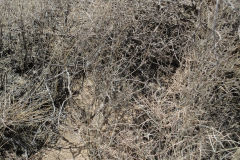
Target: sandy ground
{"x":71,"y":144}
{"x":70,"y":148}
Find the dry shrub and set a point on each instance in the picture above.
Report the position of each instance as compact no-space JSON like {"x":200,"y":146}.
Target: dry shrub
{"x":150,"y":110}
{"x":35,"y":77}
{"x":164,"y":77}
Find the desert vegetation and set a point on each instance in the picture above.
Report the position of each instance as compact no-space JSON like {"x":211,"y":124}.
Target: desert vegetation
{"x":137,"y":79}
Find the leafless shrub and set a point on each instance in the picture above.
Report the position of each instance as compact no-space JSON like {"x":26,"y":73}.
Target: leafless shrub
{"x":163,"y":77}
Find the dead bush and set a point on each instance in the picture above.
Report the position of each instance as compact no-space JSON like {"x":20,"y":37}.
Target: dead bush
{"x":143,"y":79}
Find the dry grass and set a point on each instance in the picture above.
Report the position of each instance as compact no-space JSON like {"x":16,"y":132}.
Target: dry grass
{"x":143,"y":79}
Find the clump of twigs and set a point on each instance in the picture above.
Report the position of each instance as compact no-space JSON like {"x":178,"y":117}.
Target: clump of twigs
{"x":146,"y":79}
{"x":35,"y":77}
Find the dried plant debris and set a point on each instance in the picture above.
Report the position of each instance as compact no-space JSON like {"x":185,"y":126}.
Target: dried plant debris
{"x":132,"y":79}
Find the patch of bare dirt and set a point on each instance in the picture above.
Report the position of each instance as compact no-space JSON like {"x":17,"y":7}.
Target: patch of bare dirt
{"x":71,"y":144}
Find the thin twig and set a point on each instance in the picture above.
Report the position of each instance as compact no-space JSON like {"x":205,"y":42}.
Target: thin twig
{"x":70,"y":95}
{"x":49,"y":93}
